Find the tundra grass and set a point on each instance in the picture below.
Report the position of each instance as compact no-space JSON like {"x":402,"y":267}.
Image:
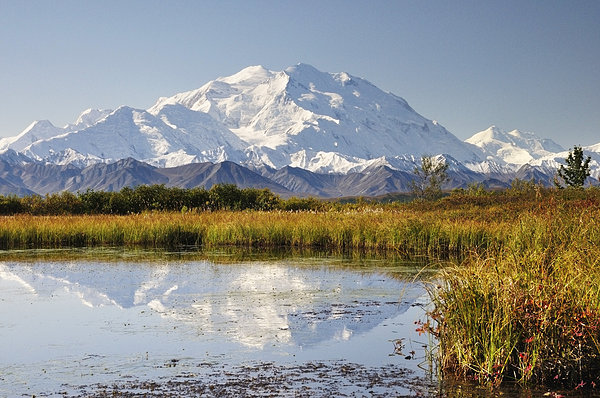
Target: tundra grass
{"x":528,"y":311}
{"x":395,"y":231}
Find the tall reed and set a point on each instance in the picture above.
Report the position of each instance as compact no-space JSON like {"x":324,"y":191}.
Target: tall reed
{"x":391,"y":230}
{"x":529,"y":310}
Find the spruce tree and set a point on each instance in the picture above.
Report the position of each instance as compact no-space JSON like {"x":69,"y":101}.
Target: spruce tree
{"x":576,"y":170}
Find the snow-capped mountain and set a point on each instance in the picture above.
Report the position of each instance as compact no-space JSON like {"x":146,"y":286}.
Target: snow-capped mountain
{"x":553,"y":161}
{"x":513,"y":147}
{"x":299,"y":117}
{"x":88,"y":118}
{"x":288,"y":129}
{"x":322,"y":122}
{"x":128,"y":132}
{"x":37,"y":131}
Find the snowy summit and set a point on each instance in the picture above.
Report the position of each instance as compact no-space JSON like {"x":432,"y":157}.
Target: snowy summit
{"x":302,"y":117}
{"x":299,"y":117}
{"x":513,"y":147}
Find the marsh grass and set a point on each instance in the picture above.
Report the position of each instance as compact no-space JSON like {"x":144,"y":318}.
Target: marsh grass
{"x":529,"y":310}
{"x":403,"y":232}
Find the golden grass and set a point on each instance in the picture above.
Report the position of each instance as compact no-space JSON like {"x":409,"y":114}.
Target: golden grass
{"x":401,"y":231}
{"x":528,"y":310}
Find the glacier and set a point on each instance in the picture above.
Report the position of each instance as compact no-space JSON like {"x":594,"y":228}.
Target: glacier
{"x":300,"y":117}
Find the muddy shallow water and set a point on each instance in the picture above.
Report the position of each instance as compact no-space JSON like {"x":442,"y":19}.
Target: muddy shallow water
{"x":284,"y":327}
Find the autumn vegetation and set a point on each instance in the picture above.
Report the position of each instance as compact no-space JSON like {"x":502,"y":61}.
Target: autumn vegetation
{"x":527,"y":309}
{"x":518,"y":301}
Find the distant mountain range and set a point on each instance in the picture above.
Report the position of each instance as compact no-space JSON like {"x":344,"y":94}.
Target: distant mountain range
{"x":297,"y":132}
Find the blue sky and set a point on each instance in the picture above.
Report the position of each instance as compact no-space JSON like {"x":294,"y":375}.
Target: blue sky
{"x":530,"y":65}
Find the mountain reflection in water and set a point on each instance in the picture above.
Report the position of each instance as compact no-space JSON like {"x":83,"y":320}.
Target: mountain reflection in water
{"x":78,"y":320}
{"x":254,"y":304}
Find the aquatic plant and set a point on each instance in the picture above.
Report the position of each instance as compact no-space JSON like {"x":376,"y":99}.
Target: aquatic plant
{"x":528,"y":310}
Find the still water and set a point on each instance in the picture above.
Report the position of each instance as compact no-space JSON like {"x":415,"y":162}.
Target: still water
{"x":296,"y":326}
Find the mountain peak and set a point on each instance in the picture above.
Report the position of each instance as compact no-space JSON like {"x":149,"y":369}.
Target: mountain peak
{"x":332,"y":123}
{"x":300,"y":116}
{"x":91,"y":116}
{"x":513,"y":147}
{"x":38,"y":130}
{"x":248,"y":76}
{"x":302,"y":68}
{"x":40,"y":124}
{"x":323,"y":121}
{"x":307,"y":74}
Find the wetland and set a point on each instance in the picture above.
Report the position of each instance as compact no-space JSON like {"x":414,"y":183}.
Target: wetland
{"x":142,"y":323}
{"x":478,"y":293}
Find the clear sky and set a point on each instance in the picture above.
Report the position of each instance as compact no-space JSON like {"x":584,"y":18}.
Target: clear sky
{"x":527,"y":65}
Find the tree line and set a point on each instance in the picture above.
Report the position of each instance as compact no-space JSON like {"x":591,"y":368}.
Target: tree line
{"x":145,"y":198}
{"x":427,"y":185}
{"x":433,"y":173}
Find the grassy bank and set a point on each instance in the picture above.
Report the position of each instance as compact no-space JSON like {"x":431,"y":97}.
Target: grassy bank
{"x":529,"y":309}
{"x":400,"y":231}
{"x":455,"y":226}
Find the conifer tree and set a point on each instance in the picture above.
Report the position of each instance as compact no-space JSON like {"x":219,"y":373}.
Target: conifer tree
{"x":576,"y":170}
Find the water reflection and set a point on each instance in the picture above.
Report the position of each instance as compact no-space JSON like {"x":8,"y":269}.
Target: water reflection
{"x":103,"y":315}
{"x":255,"y":304}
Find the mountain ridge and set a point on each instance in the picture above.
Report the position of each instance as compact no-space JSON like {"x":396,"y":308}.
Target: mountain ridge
{"x":40,"y":178}
{"x":302,"y":131}
{"x":300,"y":117}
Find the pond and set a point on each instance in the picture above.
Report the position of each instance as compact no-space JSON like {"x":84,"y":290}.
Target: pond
{"x":121,"y":324}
